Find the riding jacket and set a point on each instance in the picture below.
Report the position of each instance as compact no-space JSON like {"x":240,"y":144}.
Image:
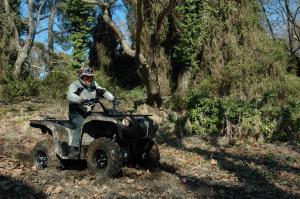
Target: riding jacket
{"x":82,"y":99}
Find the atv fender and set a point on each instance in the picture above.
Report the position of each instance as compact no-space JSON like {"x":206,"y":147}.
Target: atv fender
{"x":96,"y":117}
{"x":59,"y":132}
{"x":96,"y":126}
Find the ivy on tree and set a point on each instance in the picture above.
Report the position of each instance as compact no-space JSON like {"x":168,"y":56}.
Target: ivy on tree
{"x":81,"y":21}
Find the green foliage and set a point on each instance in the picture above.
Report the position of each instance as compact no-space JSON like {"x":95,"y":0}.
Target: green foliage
{"x":193,"y":31}
{"x":206,"y":114}
{"x":81,"y":20}
{"x":268,"y":117}
{"x":55,"y":85}
{"x":15,"y":89}
{"x":241,"y":89}
{"x":224,"y":42}
{"x":137,"y":93}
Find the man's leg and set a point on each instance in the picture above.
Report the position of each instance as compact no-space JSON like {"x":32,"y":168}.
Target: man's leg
{"x":77,"y":120}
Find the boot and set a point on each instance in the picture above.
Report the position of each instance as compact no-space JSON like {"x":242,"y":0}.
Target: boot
{"x":73,"y":152}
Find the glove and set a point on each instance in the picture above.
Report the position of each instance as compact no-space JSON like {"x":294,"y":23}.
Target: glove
{"x":88,"y":102}
{"x":115,"y":101}
{"x":100,"y":92}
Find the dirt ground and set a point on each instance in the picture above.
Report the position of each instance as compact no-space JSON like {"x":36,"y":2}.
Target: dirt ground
{"x":191,"y":167}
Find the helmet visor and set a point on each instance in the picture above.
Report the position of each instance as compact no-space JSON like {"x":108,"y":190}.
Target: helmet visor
{"x":87,"y":79}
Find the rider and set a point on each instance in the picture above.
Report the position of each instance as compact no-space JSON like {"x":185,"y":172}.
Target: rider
{"x":82,"y":95}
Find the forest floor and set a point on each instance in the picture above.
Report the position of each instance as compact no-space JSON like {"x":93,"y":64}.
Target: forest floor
{"x":192,"y":167}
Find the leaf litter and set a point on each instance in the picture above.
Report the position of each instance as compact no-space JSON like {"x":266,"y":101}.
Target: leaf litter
{"x":195,"y":168}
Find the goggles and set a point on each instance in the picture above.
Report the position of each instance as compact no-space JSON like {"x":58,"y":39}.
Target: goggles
{"x":86,"y":78}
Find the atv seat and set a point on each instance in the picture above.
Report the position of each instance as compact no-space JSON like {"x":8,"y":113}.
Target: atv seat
{"x":65,"y":123}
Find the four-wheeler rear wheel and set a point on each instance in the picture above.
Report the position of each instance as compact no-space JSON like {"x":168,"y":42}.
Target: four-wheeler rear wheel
{"x":151,"y":158}
{"x":104,"y":157}
{"x":43,"y":155}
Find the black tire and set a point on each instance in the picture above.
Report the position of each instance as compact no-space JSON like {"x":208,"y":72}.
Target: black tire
{"x":104,"y":157}
{"x":43,"y":155}
{"x":151,"y":158}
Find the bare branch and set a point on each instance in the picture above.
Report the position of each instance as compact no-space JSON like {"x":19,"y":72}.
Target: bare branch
{"x":25,"y":21}
{"x":106,"y":17}
{"x":44,"y":17}
{"x":42,"y":30}
{"x":296,"y":12}
{"x":39,"y":13}
{"x":118,"y":33}
{"x":5,"y":30}
{"x":101,"y":3}
{"x":90,"y":1}
{"x":295,"y":50}
{"x":267,"y":19}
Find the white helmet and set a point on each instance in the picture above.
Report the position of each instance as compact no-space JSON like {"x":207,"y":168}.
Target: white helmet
{"x":86,"y":76}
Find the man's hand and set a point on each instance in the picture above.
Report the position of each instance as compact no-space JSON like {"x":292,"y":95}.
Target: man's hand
{"x":88,"y":102}
{"x":115,"y":101}
{"x":100,"y":92}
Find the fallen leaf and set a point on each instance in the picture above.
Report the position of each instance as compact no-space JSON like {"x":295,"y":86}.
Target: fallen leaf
{"x":213,"y":162}
{"x":130,"y":180}
{"x":49,"y":190}
{"x":57,"y":190}
{"x":34,"y":168}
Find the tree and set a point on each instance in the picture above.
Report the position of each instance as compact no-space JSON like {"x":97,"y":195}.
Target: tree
{"x":54,"y":6}
{"x":283,"y":17}
{"x":148,"y":65}
{"x":32,"y":24}
{"x":80,"y":23}
{"x":7,"y":45}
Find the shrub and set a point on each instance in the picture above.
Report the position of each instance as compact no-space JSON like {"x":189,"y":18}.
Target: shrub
{"x":206,"y":114}
{"x":17,"y":90}
{"x":269,"y":117}
{"x":55,"y":85}
{"x":138,"y":93}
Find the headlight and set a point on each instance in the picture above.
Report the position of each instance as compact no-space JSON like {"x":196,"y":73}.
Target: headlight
{"x":125,"y":122}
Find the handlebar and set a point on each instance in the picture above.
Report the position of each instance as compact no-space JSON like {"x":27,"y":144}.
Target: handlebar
{"x":112,"y":111}
{"x":108,"y":111}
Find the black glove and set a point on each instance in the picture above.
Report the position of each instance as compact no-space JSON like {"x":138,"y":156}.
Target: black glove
{"x":88,"y":102}
{"x":100,"y":92}
{"x":115,"y":101}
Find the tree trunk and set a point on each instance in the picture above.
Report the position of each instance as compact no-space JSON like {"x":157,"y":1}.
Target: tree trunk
{"x":150,"y":51}
{"x":24,"y":50}
{"x":292,"y":42}
{"x":153,"y":90}
{"x":184,"y":79}
{"x":145,"y":70}
{"x":50,"y":48}
{"x":150,"y":80}
{"x":22,"y":55}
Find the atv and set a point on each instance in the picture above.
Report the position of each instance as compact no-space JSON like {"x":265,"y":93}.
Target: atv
{"x":109,"y":140}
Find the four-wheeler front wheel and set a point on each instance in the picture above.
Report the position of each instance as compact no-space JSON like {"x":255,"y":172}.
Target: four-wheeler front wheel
{"x":104,"y":157}
{"x":43,"y":155}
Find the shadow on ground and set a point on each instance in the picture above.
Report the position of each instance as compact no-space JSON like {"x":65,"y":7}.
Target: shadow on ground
{"x":12,"y":188}
{"x":253,"y":182}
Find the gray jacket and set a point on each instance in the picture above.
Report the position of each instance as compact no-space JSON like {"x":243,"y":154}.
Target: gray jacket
{"x":77,"y":94}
